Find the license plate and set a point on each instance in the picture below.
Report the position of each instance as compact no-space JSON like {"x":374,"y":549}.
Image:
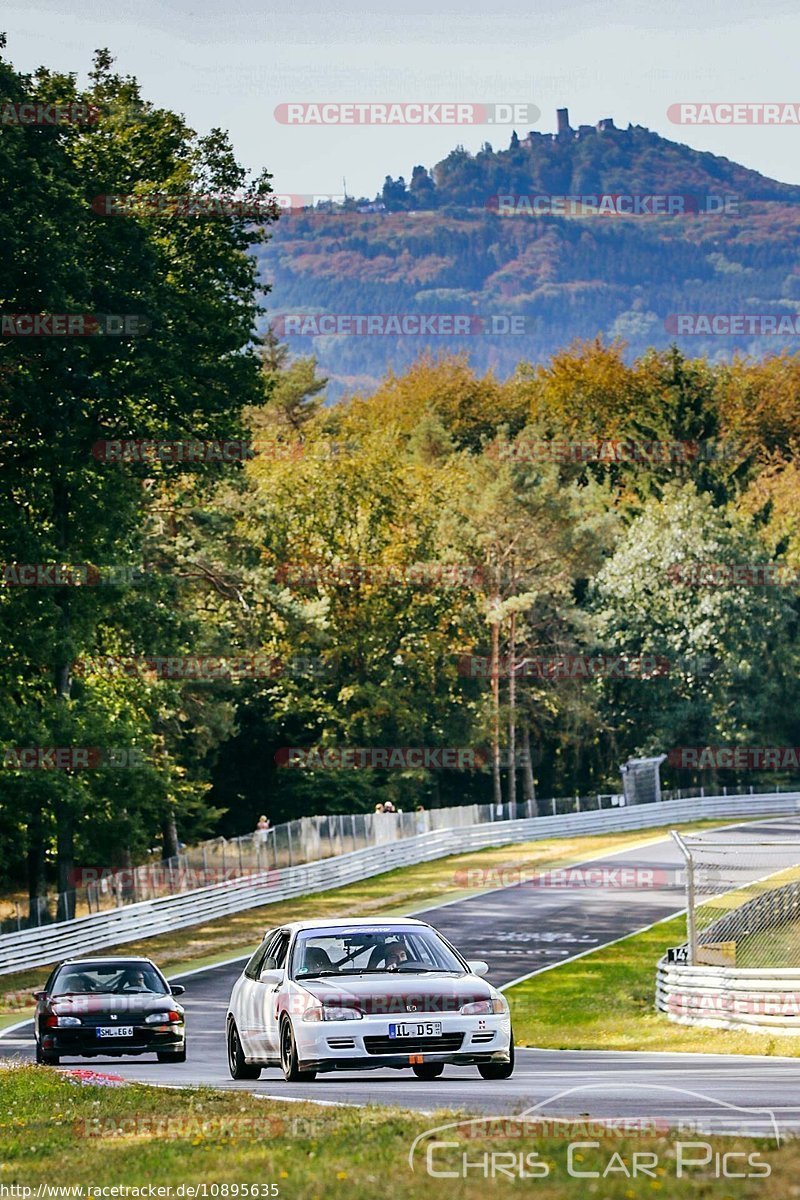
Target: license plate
{"x":416,"y":1029}
{"x":115,"y":1031}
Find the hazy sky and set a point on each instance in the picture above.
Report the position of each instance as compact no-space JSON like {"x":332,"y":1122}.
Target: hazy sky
{"x":230,"y":63}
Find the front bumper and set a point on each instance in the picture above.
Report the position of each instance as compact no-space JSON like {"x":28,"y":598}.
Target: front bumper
{"x":84,"y":1042}
{"x":465,"y":1041}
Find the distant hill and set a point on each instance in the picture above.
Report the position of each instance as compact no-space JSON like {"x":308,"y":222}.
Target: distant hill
{"x":438,"y":244}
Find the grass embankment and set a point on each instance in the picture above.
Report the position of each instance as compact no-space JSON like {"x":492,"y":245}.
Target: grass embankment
{"x":605,"y":1001}
{"x":405,"y":890}
{"x":55,"y":1132}
{"x":778,"y":947}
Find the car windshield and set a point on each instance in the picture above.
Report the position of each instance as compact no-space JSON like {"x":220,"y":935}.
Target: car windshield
{"x":123,"y":979}
{"x":319,"y":952}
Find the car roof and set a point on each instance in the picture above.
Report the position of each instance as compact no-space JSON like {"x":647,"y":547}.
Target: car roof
{"x":106,"y":960}
{"x":349,"y":922}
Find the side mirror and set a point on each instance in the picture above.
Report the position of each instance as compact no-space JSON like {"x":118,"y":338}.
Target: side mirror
{"x":478,"y":967}
{"x":177,"y":989}
{"x":39,"y":995}
{"x":271,"y":976}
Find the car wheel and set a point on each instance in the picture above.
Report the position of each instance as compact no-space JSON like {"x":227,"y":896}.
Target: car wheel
{"x":492,"y":1070}
{"x":47,"y":1060}
{"x":428,"y":1070}
{"x":237,"y":1066}
{"x":171,"y":1056}
{"x":289,"y":1060}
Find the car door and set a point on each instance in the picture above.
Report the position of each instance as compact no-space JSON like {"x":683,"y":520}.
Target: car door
{"x":245,"y":1005}
{"x":275,"y":960}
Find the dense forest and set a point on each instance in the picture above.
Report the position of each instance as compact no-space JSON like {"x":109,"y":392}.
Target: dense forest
{"x":352,"y":573}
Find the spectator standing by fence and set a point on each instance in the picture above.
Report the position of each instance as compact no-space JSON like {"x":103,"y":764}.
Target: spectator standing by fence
{"x":261,"y":835}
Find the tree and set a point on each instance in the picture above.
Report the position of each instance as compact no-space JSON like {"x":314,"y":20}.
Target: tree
{"x":188,"y":285}
{"x":729,"y":651}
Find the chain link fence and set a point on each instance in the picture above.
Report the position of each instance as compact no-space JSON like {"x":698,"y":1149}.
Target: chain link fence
{"x":743,"y":896}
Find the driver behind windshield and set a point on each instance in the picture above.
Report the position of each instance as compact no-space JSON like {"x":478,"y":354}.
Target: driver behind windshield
{"x":134,"y":980}
{"x":396,"y":955}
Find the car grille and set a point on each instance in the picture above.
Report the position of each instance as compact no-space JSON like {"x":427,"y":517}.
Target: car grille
{"x":93,"y":1022}
{"x":416,"y":1045}
{"x":341,"y":1043}
{"x":482,"y":1037}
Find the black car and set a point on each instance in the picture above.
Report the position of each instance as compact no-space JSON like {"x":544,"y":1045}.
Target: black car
{"x":109,"y":1006}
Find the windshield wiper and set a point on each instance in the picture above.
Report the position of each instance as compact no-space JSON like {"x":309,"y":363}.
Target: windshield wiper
{"x":427,"y":970}
{"x":315,"y":974}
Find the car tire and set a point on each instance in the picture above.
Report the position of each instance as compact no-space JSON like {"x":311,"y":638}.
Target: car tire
{"x":492,"y":1070}
{"x":289,"y":1061}
{"x":171,"y":1056}
{"x":428,"y":1071}
{"x":45,"y":1059}
{"x":237,"y":1066}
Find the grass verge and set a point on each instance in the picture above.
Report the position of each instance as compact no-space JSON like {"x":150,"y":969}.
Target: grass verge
{"x":55,"y":1131}
{"x":605,"y":1001}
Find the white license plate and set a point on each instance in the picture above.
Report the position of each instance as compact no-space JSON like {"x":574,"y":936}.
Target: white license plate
{"x":416,"y":1029}
{"x":115,"y":1031}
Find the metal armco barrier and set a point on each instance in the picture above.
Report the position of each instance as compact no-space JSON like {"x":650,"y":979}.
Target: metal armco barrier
{"x":38,"y":947}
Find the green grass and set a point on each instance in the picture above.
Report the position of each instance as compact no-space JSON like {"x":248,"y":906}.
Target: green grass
{"x":779,"y":947}
{"x":605,"y":1001}
{"x":54,"y":1131}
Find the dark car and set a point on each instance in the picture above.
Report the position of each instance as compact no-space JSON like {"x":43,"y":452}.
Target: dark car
{"x":109,"y":1006}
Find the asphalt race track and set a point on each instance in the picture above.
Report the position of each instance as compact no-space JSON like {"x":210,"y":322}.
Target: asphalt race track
{"x":522,"y":929}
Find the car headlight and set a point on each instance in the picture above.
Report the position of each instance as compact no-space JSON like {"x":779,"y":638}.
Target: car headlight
{"x":482,"y":1008}
{"x":330,"y":1012}
{"x":163,"y":1018}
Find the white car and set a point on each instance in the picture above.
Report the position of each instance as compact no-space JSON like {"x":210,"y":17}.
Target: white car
{"x":362,"y":995}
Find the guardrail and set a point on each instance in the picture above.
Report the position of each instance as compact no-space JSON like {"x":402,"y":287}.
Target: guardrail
{"x":38,"y":947}
{"x":760,"y":1000}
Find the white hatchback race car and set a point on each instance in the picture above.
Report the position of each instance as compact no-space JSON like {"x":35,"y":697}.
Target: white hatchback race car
{"x":362,"y":995}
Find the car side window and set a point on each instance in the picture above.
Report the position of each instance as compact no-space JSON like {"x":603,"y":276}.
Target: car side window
{"x":254,"y":966}
{"x":275,"y":958}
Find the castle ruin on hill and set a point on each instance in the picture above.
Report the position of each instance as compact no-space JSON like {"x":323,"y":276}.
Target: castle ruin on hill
{"x":565,"y":132}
